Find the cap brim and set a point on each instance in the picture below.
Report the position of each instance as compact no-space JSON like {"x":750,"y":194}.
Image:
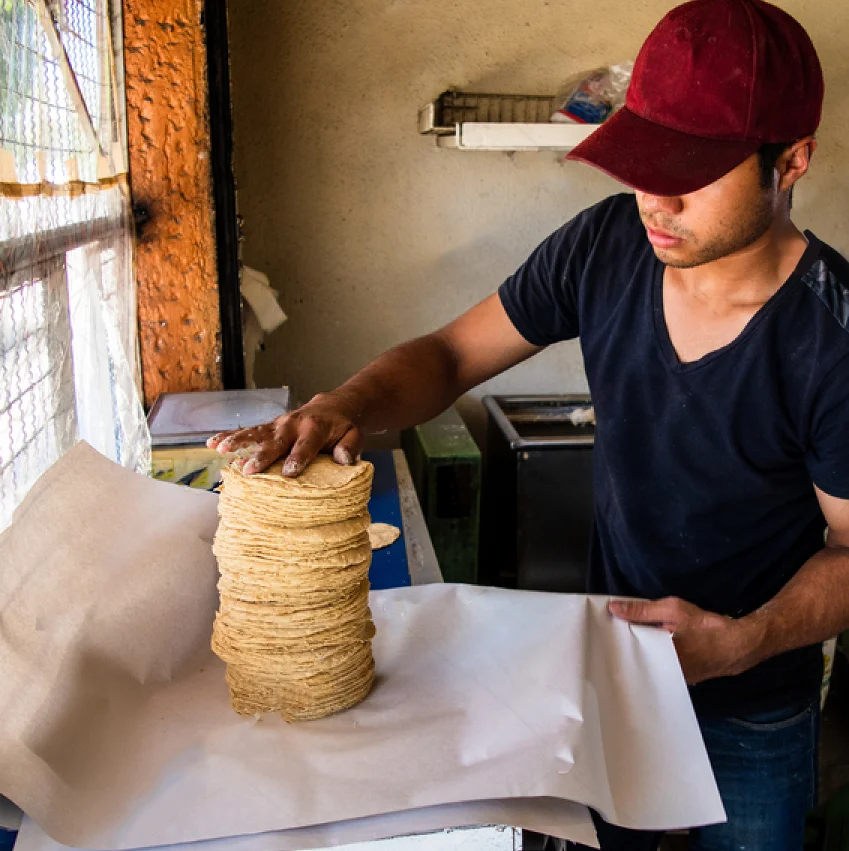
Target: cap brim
{"x":657,"y":160}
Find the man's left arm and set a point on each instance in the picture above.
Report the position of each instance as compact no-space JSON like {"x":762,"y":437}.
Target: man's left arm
{"x":812,"y":607}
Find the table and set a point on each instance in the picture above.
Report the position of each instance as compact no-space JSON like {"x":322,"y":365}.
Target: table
{"x":411,"y":560}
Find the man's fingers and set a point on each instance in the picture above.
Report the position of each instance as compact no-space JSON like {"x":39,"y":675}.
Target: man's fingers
{"x":216,"y":439}
{"x":241,"y":438}
{"x":263,"y":458}
{"x":280,"y":437}
{"x":349,"y":446}
{"x":298,"y":437}
{"x":309,"y":443}
{"x":661,"y":613}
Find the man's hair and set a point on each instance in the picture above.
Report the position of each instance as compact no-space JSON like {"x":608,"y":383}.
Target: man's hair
{"x":768,"y":155}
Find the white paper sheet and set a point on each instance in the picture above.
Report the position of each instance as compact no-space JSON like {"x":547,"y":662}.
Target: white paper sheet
{"x":544,"y":815}
{"x":117,"y":731}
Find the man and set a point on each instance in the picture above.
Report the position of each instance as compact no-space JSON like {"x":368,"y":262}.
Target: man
{"x":716,"y":341}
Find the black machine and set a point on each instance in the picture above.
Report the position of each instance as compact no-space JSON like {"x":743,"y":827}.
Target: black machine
{"x":537,"y":497}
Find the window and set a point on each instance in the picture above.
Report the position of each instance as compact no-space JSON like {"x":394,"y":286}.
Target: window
{"x":68,"y":363}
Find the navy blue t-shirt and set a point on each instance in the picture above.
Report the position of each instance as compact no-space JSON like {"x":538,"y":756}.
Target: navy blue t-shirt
{"x":704,"y":471}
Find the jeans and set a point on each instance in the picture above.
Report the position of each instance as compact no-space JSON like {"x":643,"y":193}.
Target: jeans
{"x":766,"y":770}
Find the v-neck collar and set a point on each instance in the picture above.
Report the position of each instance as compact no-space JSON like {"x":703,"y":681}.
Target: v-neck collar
{"x":670,"y":356}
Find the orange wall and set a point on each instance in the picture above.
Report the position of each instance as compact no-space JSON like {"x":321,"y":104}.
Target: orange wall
{"x":167,"y":123}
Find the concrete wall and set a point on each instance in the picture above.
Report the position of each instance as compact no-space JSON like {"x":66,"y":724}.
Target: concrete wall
{"x":370,"y":233}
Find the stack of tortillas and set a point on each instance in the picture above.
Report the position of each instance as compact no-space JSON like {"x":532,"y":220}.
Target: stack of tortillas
{"x":294,"y":625}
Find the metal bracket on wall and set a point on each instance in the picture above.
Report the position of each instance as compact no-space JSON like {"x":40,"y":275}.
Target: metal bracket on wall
{"x":467,"y":121}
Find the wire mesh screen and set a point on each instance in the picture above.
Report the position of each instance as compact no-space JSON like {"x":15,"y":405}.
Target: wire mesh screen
{"x":43,"y":46}
{"x":37,"y":412}
{"x":82,"y":28}
{"x":68,"y":366}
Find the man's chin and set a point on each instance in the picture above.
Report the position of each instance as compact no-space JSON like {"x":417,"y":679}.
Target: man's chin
{"x":677,"y":259}
{"x":670,"y":257}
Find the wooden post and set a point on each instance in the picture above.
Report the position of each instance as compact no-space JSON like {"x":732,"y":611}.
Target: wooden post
{"x":168,"y":128}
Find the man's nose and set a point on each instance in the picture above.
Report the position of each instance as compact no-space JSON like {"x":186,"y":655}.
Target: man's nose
{"x":668,"y":204}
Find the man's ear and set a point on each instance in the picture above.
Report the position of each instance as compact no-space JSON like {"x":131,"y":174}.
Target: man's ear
{"x":794,"y":162}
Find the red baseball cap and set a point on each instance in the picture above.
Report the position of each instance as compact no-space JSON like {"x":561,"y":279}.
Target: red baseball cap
{"x":714,"y":81}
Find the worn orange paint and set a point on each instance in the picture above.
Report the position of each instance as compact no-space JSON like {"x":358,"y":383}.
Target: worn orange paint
{"x":167,"y":123}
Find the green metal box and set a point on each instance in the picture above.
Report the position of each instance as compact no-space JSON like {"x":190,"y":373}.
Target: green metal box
{"x":445,"y":464}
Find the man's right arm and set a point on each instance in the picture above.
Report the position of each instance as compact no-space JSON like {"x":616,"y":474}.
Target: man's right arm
{"x":405,"y":386}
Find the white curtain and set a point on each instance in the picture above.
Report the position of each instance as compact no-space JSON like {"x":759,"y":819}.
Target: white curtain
{"x":68,"y":328}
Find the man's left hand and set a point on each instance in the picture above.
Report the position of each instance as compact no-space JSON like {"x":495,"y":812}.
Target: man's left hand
{"x":708,"y":645}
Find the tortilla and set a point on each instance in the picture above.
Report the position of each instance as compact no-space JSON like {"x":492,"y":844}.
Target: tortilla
{"x":382,"y":535}
{"x":293,"y":625}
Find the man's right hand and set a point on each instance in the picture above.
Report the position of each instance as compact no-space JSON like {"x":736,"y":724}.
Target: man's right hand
{"x":322,"y":425}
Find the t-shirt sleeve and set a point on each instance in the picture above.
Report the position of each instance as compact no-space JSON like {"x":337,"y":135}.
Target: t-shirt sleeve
{"x":541,"y":298}
{"x":828,"y":452}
